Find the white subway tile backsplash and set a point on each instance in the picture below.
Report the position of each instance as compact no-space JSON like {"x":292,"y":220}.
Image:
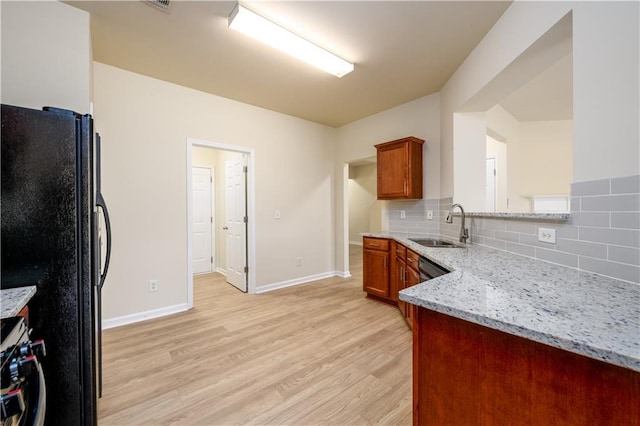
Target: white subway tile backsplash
{"x":522,"y":249}
{"x":522,"y":227}
{"x":612,"y":269}
{"x":532,"y":240}
{"x":564,"y":231}
{"x":559,"y":257}
{"x":625,"y":185}
{"x":502,"y":245}
{"x":594,"y":219}
{"x":593,"y":187}
{"x":513,"y":237}
{"x":602,"y":235}
{"x":583,"y":248}
{"x":575,"y":204}
{"x":624,"y":255}
{"x":609,"y":203}
{"x":619,"y":237}
{"x":627,"y":220}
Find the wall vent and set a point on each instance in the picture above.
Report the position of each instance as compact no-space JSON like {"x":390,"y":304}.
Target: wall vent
{"x":159,"y":4}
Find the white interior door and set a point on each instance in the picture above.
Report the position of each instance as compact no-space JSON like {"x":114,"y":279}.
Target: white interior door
{"x":490,"y":180}
{"x":236,"y":225}
{"x":202,"y":220}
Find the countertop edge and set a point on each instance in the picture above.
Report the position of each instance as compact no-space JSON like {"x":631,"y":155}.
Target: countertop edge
{"x":14,"y":299}
{"x":580,"y":348}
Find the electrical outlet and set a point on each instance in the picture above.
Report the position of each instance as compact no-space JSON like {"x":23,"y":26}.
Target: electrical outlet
{"x":547,"y":235}
{"x":153,"y":285}
{"x":299,"y":261}
{"x":403,"y":214}
{"x":429,"y":214}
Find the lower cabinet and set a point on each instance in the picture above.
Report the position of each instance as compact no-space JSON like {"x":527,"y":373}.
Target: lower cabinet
{"x":469,"y":374}
{"x":376,"y":266}
{"x":388,"y":268}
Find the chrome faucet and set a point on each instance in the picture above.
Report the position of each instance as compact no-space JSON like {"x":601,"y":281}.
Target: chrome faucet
{"x":464,"y":232}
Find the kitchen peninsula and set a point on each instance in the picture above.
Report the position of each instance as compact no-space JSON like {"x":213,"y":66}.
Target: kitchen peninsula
{"x":506,"y":339}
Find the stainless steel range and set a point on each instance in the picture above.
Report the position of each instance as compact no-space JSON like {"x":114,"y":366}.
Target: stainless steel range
{"x":23,"y":395}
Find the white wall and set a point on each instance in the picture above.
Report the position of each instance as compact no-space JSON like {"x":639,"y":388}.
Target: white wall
{"x":419,"y":118}
{"x":145,"y":124}
{"x":606,"y":87}
{"x":606,"y":91}
{"x":517,"y":30}
{"x":46,"y":55}
{"x":546,"y":157}
{"x":470,"y":151}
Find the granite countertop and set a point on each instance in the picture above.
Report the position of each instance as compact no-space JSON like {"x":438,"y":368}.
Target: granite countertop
{"x":580,"y":312}
{"x":12,"y":300}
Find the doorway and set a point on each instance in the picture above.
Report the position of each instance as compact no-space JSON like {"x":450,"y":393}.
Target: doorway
{"x":363,"y":210}
{"x":243,"y":265}
{"x":490,"y":181}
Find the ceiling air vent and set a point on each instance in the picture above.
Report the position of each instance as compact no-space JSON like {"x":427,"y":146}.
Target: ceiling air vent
{"x":159,"y":4}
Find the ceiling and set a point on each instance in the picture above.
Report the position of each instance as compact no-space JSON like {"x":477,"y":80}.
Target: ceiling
{"x":401,"y":50}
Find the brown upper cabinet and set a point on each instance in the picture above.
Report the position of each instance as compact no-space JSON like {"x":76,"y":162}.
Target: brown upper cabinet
{"x":400,"y":169}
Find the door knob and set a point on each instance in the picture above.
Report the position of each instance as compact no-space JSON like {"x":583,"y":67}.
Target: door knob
{"x":225,"y":228}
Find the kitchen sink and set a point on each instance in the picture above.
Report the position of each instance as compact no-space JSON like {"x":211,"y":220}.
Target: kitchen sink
{"x":432,"y":242}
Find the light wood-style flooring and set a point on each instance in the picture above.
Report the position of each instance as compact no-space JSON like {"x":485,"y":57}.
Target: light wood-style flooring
{"x":313,"y":354}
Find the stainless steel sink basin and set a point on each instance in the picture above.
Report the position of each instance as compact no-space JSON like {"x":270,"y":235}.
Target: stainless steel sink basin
{"x":432,"y":242}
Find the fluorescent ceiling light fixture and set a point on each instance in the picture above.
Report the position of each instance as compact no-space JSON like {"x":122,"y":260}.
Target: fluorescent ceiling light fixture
{"x":270,"y":33}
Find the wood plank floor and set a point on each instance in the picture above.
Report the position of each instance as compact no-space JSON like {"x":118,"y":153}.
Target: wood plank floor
{"x":314,"y":354}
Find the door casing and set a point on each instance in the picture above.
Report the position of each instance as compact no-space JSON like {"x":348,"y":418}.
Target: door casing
{"x":251,"y":226}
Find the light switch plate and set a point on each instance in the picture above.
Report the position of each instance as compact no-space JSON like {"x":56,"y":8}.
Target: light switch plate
{"x":430,"y":214}
{"x":547,"y":235}
{"x":276,"y":214}
{"x":403,"y":214}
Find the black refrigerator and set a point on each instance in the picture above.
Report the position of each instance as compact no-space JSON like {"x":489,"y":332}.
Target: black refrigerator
{"x":51,"y":207}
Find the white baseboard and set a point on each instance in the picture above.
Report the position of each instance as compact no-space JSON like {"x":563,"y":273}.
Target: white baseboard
{"x":221,"y":271}
{"x":143,"y":316}
{"x":355,"y":243}
{"x":297,"y":281}
{"x":343,"y":274}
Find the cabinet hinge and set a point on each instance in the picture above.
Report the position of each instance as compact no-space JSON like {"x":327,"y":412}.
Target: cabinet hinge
{"x":245,"y":169}
{"x":212,"y":260}
{"x":246,"y":269}
{"x":246,"y":219}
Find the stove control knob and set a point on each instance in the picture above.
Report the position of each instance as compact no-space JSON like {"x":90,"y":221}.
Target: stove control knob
{"x":28,"y":365}
{"x":12,"y":404}
{"x":36,"y":348}
{"x":22,"y":367}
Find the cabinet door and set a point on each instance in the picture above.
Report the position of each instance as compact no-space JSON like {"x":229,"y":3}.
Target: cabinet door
{"x":400,"y":279}
{"x":393,"y":169}
{"x":375,"y":271}
{"x":400,"y":169}
{"x":413,"y":278}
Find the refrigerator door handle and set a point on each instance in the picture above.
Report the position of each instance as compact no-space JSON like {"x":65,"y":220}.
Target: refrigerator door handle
{"x":101,"y":203}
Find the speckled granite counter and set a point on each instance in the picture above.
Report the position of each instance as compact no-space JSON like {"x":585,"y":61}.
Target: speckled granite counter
{"x":577,"y":311}
{"x":14,"y":299}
